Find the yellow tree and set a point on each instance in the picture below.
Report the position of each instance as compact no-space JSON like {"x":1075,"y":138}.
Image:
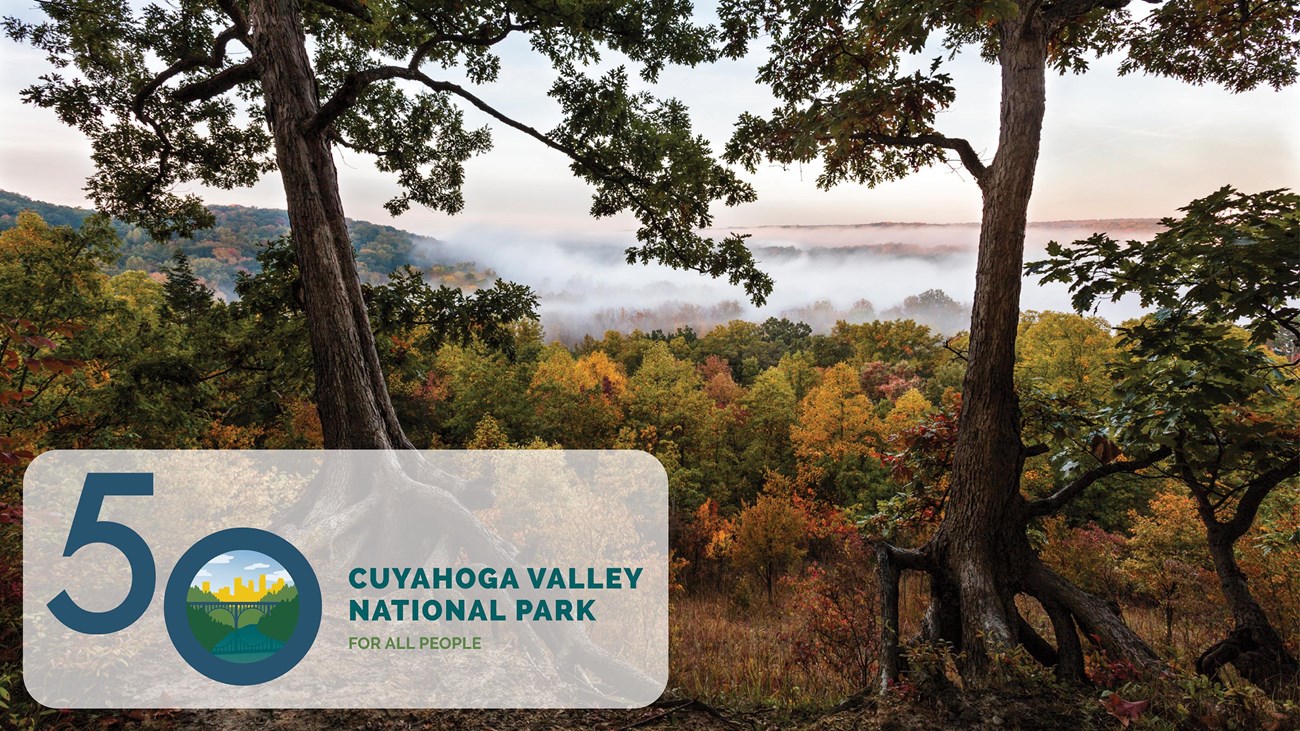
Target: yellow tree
{"x":1167,"y":559}
{"x":575,"y":402}
{"x":768,"y":538}
{"x":1064,"y":356}
{"x":837,"y":437}
{"x":908,"y":411}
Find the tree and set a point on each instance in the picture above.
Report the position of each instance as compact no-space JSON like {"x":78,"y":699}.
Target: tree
{"x":768,"y":537}
{"x":50,"y":287}
{"x":73,"y":373}
{"x":165,"y":100}
{"x":667,"y":394}
{"x":771,"y":407}
{"x":1220,"y":403}
{"x":842,"y":73}
{"x":837,"y":439}
{"x":187,"y":298}
{"x":576,"y":402}
{"x":1063,"y":380}
{"x":1167,"y":561}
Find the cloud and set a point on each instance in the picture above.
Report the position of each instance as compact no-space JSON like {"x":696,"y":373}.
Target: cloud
{"x":282,"y":574}
{"x":223,"y":558}
{"x":256,"y":566}
{"x":203,"y":573}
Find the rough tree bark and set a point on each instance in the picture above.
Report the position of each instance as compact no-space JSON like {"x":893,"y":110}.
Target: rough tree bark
{"x":351,"y":393}
{"x":1254,"y":646}
{"x":980,"y":559}
{"x":339,"y":510}
{"x":981,"y":546}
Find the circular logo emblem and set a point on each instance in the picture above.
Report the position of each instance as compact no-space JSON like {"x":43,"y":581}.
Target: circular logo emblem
{"x":242,"y":606}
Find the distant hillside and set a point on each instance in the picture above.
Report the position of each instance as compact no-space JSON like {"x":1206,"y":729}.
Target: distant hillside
{"x":219,"y":252}
{"x":1092,"y":224}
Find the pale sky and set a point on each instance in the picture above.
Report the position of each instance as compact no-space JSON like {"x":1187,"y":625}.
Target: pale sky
{"x":1112,"y":147}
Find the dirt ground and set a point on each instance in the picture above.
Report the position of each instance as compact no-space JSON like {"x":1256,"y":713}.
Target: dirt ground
{"x":688,"y":715}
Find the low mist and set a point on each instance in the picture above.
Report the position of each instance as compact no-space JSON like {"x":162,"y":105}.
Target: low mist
{"x":822,"y":274}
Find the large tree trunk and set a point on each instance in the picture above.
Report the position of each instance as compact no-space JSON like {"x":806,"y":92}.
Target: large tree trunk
{"x":351,"y":393}
{"x":980,"y":547}
{"x":343,"y":512}
{"x":1253,"y":647}
{"x":980,"y":557}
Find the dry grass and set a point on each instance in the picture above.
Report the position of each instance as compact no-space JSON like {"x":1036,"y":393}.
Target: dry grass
{"x":738,"y":656}
{"x":743,"y":657}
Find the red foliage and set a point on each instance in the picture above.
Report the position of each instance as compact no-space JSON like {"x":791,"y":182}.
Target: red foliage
{"x":1126,"y":711}
{"x":1109,"y":673}
{"x":839,"y":603}
{"x":888,"y":380}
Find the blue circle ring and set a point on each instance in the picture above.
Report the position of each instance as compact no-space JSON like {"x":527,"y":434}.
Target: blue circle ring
{"x":309,"y":606}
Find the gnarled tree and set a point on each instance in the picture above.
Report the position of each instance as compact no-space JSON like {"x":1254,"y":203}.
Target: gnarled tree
{"x":1210,"y":376}
{"x":842,"y":71}
{"x":219,"y":92}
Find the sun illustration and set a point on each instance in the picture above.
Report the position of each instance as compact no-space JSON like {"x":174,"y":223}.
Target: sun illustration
{"x":242,"y":606}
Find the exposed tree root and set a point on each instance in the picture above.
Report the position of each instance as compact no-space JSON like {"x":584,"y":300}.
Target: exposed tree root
{"x":1069,"y":608}
{"x":379,"y":517}
{"x":1257,"y":654}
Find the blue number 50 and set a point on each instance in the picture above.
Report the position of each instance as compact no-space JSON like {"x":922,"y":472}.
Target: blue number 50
{"x":86,"y":529}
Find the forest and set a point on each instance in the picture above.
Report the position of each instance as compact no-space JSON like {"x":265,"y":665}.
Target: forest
{"x":1044,"y":521}
{"x":790,"y":453}
{"x":219,"y":253}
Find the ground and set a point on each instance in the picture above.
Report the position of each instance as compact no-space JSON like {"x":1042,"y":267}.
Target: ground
{"x":979,"y":712}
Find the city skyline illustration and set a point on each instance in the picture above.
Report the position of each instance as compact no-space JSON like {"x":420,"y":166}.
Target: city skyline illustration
{"x":241,"y":576}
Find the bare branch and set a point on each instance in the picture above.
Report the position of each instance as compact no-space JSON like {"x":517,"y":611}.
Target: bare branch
{"x":969,"y":158}
{"x":1056,"y":500}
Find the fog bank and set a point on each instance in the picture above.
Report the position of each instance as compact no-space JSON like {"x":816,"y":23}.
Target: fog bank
{"x":821,"y":273}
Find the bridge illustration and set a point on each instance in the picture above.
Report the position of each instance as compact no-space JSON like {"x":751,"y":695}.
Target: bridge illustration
{"x":235,"y":609}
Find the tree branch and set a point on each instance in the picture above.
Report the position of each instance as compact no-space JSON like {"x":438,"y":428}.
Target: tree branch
{"x":1070,"y":491}
{"x":1256,"y":490}
{"x":212,"y":60}
{"x":349,"y":7}
{"x":969,"y":158}
{"x":480,"y":39}
{"x":356,"y":83}
{"x":348,"y":93}
{"x":1062,"y":12}
{"x":217,"y":84}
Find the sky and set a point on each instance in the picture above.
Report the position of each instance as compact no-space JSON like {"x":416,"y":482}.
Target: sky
{"x":222,"y":570}
{"x":1113,"y":147}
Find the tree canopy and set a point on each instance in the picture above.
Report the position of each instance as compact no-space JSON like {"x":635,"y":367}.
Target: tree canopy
{"x":862,"y":85}
{"x":170,"y":93}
